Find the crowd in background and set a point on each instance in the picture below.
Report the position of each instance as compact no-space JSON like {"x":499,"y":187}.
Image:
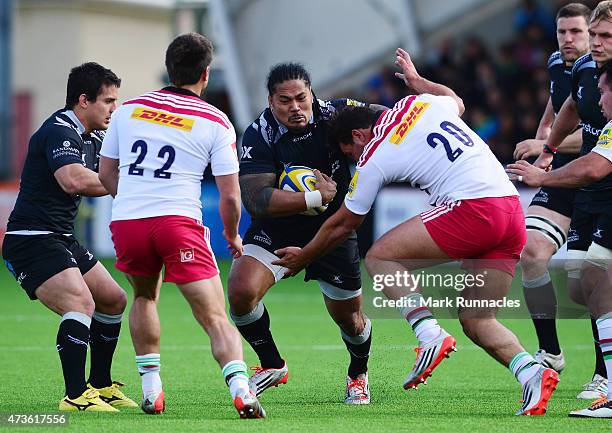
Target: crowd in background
{"x":505,"y":90}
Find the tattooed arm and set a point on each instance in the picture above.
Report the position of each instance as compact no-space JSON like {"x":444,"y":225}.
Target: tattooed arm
{"x":263,"y":200}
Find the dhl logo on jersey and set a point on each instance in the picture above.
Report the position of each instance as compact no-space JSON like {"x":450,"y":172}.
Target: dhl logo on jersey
{"x":163,"y":119}
{"x":408,"y":122}
{"x":605,"y":139}
{"x":353,"y":185}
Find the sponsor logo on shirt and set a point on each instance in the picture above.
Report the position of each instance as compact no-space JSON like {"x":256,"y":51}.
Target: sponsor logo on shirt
{"x":263,"y":238}
{"x":591,"y":129}
{"x":353,"y":185}
{"x":164,"y":119}
{"x":408,"y":122}
{"x":604,"y":141}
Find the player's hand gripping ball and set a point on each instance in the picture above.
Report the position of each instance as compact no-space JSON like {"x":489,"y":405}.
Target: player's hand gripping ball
{"x":298,"y":178}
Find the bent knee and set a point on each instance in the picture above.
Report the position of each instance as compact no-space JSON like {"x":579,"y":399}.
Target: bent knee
{"x":242,"y":295}
{"x":112,"y":301}
{"x":537,"y":252}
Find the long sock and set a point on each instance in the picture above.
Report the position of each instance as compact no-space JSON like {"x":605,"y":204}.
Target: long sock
{"x":358,"y":347}
{"x":600,"y":366}
{"x":103,"y":337}
{"x":255,"y":328}
{"x":72,"y":337}
{"x":149,"y":366}
{"x":422,"y":322}
{"x":236,"y":377}
{"x":523,"y":366}
{"x":542,"y":304}
{"x":604,"y":325}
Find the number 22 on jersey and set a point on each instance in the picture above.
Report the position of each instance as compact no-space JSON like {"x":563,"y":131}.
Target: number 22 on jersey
{"x":166,"y":154}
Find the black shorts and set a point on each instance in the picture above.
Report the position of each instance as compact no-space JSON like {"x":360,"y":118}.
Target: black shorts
{"x":34,"y":259}
{"x":340,"y":267}
{"x":560,"y":200}
{"x":587,"y":227}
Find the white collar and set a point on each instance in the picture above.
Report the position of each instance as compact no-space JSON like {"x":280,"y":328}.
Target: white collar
{"x":73,"y":117}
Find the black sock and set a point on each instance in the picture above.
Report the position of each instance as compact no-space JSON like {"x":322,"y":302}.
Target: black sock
{"x":359,"y":350}
{"x":103,"y":339}
{"x":255,"y":328}
{"x":542,"y":304}
{"x":72,"y":338}
{"x":600,"y":366}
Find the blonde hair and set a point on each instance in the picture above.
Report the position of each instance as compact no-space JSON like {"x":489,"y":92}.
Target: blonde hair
{"x":603,"y":11}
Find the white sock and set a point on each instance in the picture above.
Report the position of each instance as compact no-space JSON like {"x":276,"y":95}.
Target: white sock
{"x":427,"y":330}
{"x":151,"y":382}
{"x":604,"y":326}
{"x":238,"y":385}
{"x":236,"y":377}
{"x":524,"y":367}
{"x":421,"y":320}
{"x":149,"y":366}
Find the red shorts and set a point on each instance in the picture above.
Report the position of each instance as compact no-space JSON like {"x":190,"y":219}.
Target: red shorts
{"x":491,"y":229}
{"x":179,"y":243}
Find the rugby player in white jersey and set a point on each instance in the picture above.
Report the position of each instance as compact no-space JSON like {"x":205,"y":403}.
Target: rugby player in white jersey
{"x":477,"y":219}
{"x":153,"y":159}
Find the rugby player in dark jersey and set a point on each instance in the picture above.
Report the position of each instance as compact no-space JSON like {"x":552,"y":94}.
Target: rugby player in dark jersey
{"x":590,"y":234}
{"x":593,"y":166}
{"x":549,"y":213}
{"x":42,"y":253}
{"x":293,"y":131}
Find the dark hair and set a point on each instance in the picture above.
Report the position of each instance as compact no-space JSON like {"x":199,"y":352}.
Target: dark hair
{"x":285,"y":72}
{"x":607,"y":69}
{"x":187,"y":56}
{"x":88,"y":79}
{"x":344,"y":121}
{"x":574,"y":10}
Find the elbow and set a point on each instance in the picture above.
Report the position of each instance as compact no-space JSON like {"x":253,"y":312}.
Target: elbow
{"x":460,"y":105}
{"x":594,"y":172}
{"x":230,"y":203}
{"x":230,"y":200}
{"x":104,"y":180}
{"x":346,"y":228}
{"x":71,"y":187}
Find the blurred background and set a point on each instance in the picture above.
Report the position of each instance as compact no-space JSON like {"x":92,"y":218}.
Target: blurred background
{"x":493,"y":53}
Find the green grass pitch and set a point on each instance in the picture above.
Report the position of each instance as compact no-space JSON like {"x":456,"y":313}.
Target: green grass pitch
{"x":469,"y":392}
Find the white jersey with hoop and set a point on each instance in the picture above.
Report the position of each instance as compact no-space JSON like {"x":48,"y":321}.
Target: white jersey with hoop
{"x":164,"y":140}
{"x":423,"y":141}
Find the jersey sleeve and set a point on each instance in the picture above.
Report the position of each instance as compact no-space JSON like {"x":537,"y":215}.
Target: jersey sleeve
{"x":257,"y":155}
{"x":604,"y":143}
{"x":110,"y":142}
{"x":63,"y":147}
{"x":446,"y":102}
{"x":364,"y":187}
{"x":223,"y":157}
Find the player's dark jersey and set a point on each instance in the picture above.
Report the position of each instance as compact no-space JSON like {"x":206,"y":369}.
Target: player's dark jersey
{"x":560,"y":88}
{"x":586,"y":95}
{"x":267,"y":146}
{"x":42,"y":204}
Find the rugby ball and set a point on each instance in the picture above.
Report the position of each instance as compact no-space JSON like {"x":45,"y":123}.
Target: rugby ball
{"x":297,"y":178}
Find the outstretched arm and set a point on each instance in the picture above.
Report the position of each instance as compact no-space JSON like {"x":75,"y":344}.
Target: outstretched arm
{"x":579,"y":172}
{"x":332,"y":233}
{"x":419,"y":84}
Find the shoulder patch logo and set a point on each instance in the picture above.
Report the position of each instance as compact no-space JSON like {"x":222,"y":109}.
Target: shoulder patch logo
{"x":604,"y":141}
{"x":353,"y":184}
